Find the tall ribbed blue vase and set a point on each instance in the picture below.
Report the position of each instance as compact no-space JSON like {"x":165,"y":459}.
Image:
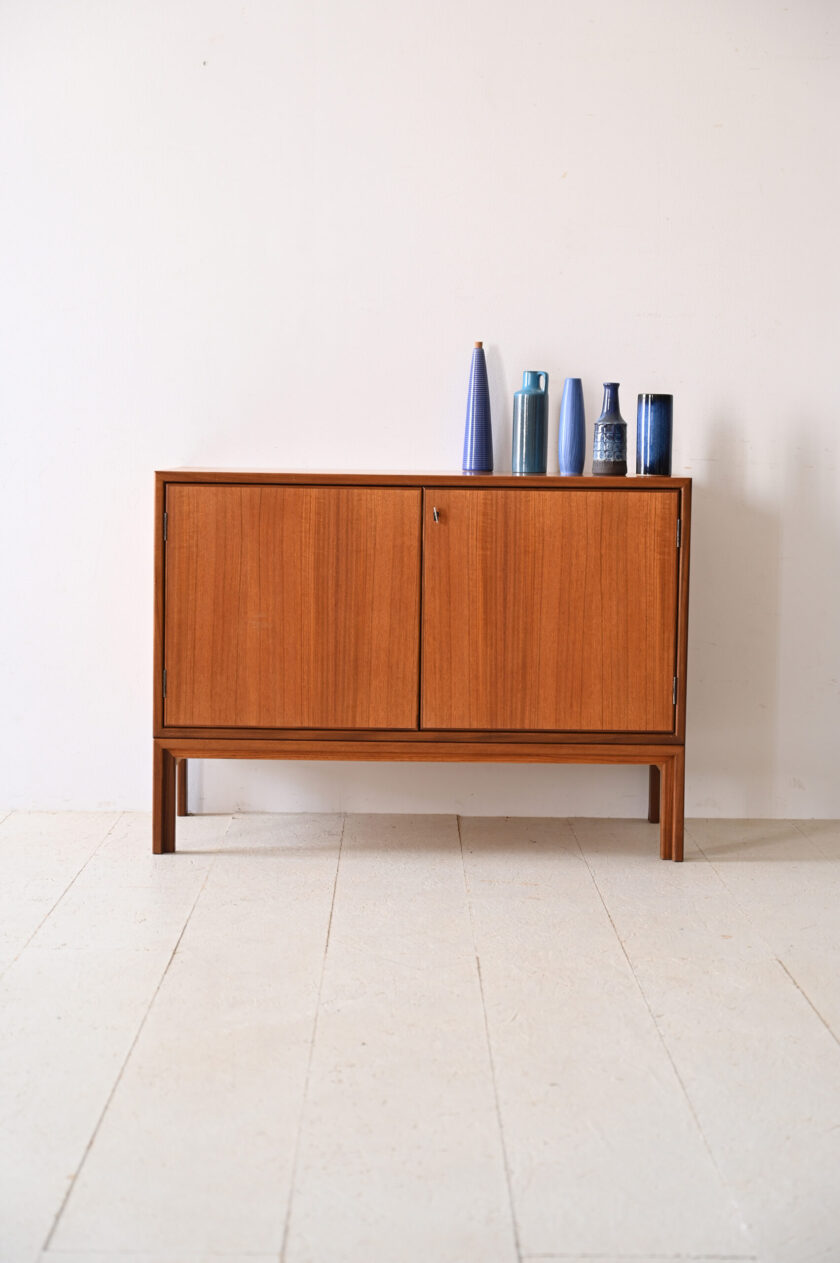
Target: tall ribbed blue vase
{"x":478,"y":434}
{"x":654,"y":425}
{"x":571,"y":434}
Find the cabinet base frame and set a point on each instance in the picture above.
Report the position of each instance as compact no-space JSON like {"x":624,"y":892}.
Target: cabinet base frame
{"x":666,"y":799}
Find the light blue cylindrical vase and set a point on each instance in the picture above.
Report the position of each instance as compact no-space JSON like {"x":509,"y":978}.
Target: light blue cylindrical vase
{"x":478,"y":434}
{"x":654,"y":429}
{"x":571,"y":434}
{"x":530,"y":425}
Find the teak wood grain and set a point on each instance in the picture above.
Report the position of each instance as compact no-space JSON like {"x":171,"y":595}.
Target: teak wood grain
{"x":550,"y":610}
{"x":292,"y":607}
{"x":669,"y":762}
{"x":181,"y":788}
{"x":392,"y":750}
{"x":344,"y":478}
{"x":288,"y":619}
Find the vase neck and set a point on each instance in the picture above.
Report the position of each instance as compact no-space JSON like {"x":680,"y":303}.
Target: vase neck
{"x":532,"y":380}
{"x":610,"y":398}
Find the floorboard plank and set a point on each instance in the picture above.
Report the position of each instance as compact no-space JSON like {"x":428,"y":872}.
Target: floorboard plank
{"x":400,"y":1152}
{"x":759,"y":1067}
{"x":786,"y":879}
{"x":195,"y":1152}
{"x":41,"y":855}
{"x":70,"y":1008}
{"x":601,"y":1140}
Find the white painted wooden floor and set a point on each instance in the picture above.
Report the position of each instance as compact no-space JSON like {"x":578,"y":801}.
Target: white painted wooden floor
{"x":417,"y":1039}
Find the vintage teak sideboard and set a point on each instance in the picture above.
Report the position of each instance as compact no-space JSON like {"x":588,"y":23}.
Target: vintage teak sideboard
{"x":421,"y":617}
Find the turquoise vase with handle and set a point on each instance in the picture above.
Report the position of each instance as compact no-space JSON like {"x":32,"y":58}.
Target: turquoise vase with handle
{"x":530,"y":424}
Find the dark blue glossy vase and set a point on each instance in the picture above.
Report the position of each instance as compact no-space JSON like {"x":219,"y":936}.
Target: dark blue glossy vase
{"x":478,"y":434}
{"x":654,"y":434}
{"x":609,"y":447}
{"x":530,"y":425}
{"x":571,"y":434}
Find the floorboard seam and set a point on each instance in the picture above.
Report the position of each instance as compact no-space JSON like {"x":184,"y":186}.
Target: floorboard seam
{"x":757,"y":930}
{"x":645,"y":1258}
{"x":126,"y":1060}
{"x":145,"y":1254}
{"x":515,"y":1229}
{"x":813,"y":841}
{"x":807,"y":999}
{"x":724,"y":1185}
{"x":64,"y":892}
{"x":296,"y":1154}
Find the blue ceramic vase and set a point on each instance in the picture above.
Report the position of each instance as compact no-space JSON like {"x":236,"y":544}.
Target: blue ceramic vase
{"x":609,"y":447}
{"x":478,"y":434}
{"x":530,"y":425}
{"x":654,"y":431}
{"x":571,"y":435}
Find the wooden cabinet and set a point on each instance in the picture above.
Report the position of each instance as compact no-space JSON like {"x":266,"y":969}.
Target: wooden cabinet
{"x":406,"y":617}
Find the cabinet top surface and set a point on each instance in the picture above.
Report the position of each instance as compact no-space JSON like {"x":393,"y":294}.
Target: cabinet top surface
{"x":432,"y":479}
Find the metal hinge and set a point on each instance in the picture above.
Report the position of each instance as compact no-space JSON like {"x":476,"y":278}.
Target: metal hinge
{"x":166,"y":527}
{"x":673,"y":694}
{"x":679,"y":531}
{"x":164,"y":681}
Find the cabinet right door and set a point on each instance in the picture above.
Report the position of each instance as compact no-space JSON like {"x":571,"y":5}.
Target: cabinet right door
{"x":549,"y":610}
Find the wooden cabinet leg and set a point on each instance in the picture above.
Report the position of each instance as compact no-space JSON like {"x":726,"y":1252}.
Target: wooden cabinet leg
{"x":181,"y":796}
{"x":163,"y":801}
{"x":666,"y":815}
{"x":654,"y":790}
{"x":678,"y":806}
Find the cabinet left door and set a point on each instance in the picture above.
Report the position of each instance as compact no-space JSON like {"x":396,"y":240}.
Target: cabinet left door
{"x":292,"y":607}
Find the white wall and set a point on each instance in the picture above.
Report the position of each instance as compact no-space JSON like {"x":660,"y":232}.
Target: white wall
{"x":267,"y":234}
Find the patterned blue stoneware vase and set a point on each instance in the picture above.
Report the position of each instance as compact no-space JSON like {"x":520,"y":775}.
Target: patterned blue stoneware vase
{"x":530,"y":425}
{"x":571,"y":435}
{"x":478,"y":434}
{"x":609,"y":448}
{"x":654,"y":429}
